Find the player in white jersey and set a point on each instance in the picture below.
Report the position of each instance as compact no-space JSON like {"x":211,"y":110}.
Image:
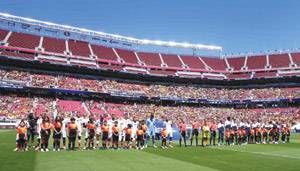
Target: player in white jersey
{"x":85,"y":121}
{"x":168,"y":126}
{"x":98,"y":131}
{"x":66,"y":121}
{"x":79,"y":121}
{"x":134,"y":124}
{"x":221,"y":131}
{"x":110,"y":124}
{"x":121,"y":122}
{"x":38,"y":130}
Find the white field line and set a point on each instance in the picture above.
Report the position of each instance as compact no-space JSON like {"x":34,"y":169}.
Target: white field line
{"x":242,"y":150}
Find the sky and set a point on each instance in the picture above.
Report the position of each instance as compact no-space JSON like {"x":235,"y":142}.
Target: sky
{"x":239,"y":26}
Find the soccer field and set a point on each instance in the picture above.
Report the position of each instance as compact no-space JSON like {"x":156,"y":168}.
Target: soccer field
{"x":248,"y":157}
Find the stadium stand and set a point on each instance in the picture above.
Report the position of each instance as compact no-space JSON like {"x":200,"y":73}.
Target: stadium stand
{"x":279,"y":60}
{"x":172,"y":60}
{"x":257,"y":62}
{"x":3,"y":34}
{"x":23,"y":40}
{"x":80,"y":53}
{"x":128,"y":56}
{"x":236,"y":63}
{"x":54,"y":45}
{"x":150,"y":59}
{"x":214,"y":63}
{"x":296,"y":58}
{"x":79,"y":48}
{"x":193,"y":62}
{"x":105,"y":53}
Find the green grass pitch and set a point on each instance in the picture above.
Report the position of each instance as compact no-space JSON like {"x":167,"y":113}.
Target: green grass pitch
{"x":282,"y":157}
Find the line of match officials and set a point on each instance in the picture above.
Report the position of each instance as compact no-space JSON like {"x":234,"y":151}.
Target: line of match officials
{"x":126,"y":133}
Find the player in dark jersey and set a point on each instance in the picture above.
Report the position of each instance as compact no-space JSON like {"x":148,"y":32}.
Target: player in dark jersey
{"x":32,"y":121}
{"x":182,"y":129}
{"x":46,"y":127}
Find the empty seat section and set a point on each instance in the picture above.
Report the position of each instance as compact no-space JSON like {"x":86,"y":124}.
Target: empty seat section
{"x":163,"y":72}
{"x":68,"y":106}
{"x":236,"y":76}
{"x":256,"y":62}
{"x":296,"y":58}
{"x":104,"y":52}
{"x":215,"y":63}
{"x":3,"y":34}
{"x":193,"y":62}
{"x":54,"y":45}
{"x":236,"y":63}
{"x":279,"y":60}
{"x":265,"y":74}
{"x":150,"y":58}
{"x":127,"y":55}
{"x":79,"y":48}
{"x":172,"y":60}
{"x":23,"y":40}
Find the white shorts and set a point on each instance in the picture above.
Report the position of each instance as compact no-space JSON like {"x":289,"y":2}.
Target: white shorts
{"x":38,"y":134}
{"x":170,"y":133}
{"x":98,"y":131}
{"x":64,"y":134}
{"x":86,"y":133}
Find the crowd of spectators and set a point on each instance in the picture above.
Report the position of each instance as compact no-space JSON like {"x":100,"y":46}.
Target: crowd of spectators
{"x":152,"y":90}
{"x":12,"y":107}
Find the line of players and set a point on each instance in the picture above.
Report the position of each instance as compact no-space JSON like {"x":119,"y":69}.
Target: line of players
{"x":233,"y":132}
{"x":112,"y":133}
{"x":132,"y":133}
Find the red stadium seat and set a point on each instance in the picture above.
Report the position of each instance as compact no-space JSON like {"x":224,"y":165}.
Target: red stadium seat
{"x":79,"y":48}
{"x":163,"y":72}
{"x":215,"y":63}
{"x":279,"y":60}
{"x":71,"y":106}
{"x":257,"y":62}
{"x":150,"y":58}
{"x":171,"y":60}
{"x":296,"y":58}
{"x":236,"y":63}
{"x":3,"y":34}
{"x":265,"y":74}
{"x":103,"y":52}
{"x":23,"y":40}
{"x":127,"y":55}
{"x":54,"y":45}
{"x":193,"y":62}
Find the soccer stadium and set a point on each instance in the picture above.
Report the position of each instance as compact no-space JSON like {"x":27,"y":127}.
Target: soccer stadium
{"x":74,"y":97}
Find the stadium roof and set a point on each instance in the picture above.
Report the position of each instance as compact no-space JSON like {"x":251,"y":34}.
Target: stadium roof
{"x":89,"y":32}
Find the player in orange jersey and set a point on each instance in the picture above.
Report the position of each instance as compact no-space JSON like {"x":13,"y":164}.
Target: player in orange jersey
{"x":91,"y":130}
{"x":105,"y":131}
{"x":22,"y":136}
{"x":128,"y":134}
{"x":72,"y":133}
{"x":139,"y":137}
{"x":57,"y":133}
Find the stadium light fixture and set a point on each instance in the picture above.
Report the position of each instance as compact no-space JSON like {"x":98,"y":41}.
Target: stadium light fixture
{"x":118,"y":37}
